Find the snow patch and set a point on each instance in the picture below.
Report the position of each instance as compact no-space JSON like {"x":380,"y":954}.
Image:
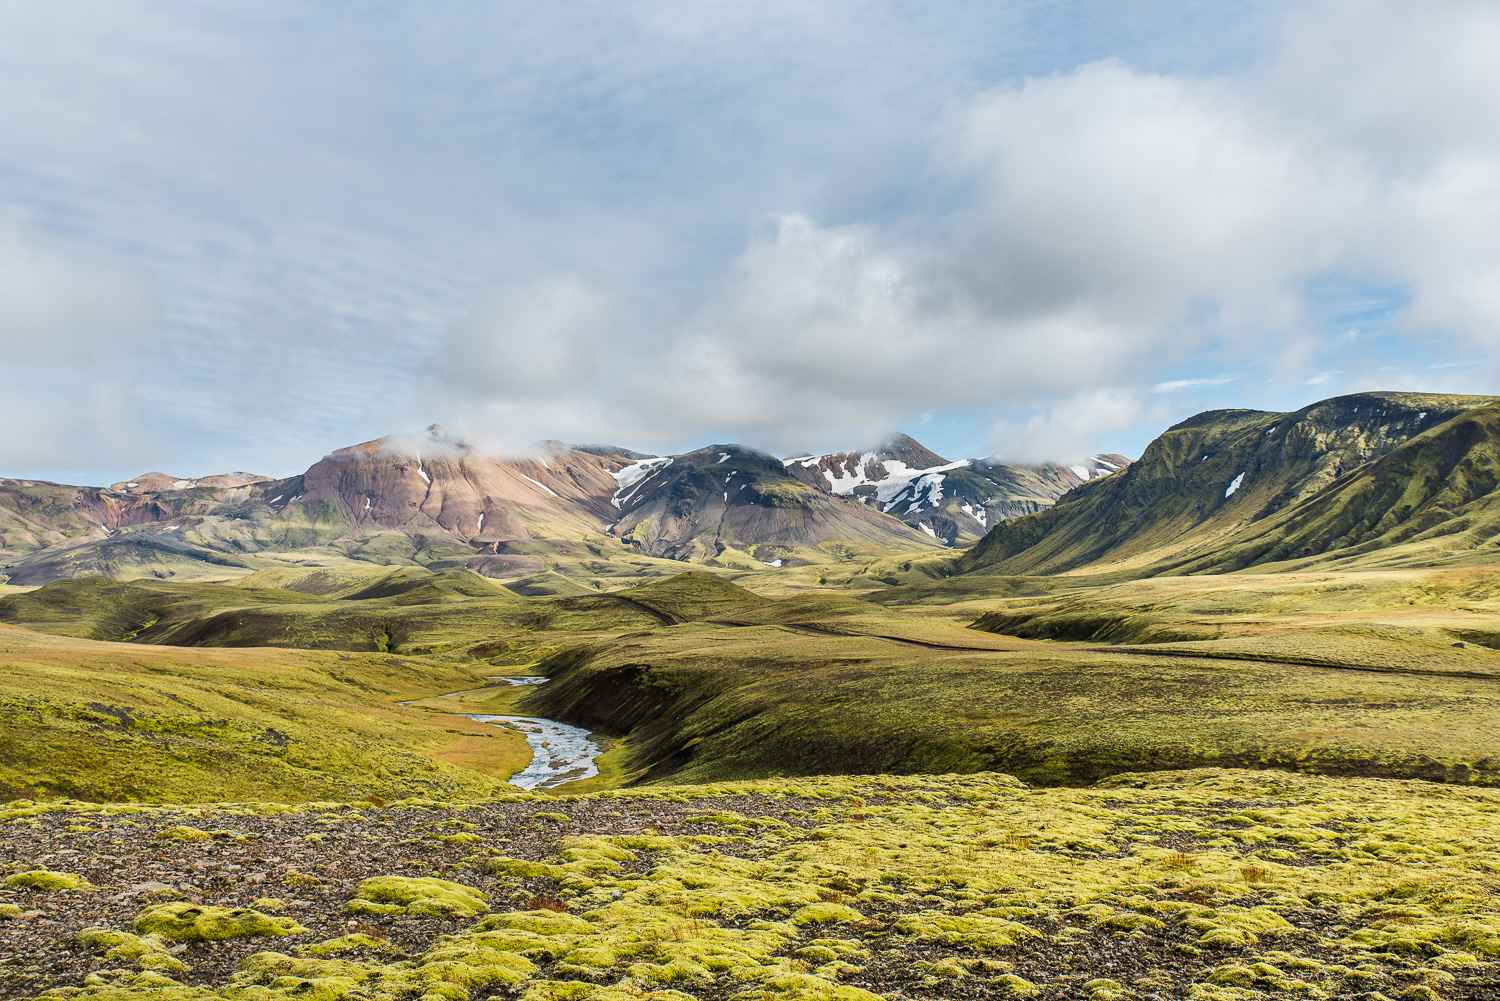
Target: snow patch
{"x":632,"y":476}
{"x":540,"y":484}
{"x":181,"y":484}
{"x":1422,"y":416}
{"x":423,"y":473}
{"x":772,"y":563}
{"x":481,"y":521}
{"x":367,"y":503}
{"x":926,"y":528}
{"x":1082,"y":472}
{"x":1234,"y":485}
{"x":1104,"y":466}
{"x":723,"y":457}
{"x":979,"y":514}
{"x":894,"y":481}
{"x":273,"y":500}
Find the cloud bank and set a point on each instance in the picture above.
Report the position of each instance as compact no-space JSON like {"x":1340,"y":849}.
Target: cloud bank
{"x":240,"y":238}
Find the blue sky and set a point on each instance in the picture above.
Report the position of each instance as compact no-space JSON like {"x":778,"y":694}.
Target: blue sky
{"x":238,"y":237}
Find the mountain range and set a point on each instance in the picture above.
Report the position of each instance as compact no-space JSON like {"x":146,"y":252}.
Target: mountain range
{"x":430,"y":499}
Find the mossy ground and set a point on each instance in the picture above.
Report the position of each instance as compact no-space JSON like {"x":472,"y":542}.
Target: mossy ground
{"x":1204,"y":884}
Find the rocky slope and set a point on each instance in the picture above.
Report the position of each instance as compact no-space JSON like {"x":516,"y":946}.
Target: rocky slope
{"x":1234,"y":488}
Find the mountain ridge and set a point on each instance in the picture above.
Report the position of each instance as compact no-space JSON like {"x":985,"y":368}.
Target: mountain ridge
{"x":432,"y":499}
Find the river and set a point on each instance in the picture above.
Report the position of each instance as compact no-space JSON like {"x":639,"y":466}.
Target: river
{"x":559,"y":752}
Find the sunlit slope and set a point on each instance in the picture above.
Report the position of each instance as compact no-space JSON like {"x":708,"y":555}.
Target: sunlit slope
{"x":112,"y":721}
{"x":1230,"y":489}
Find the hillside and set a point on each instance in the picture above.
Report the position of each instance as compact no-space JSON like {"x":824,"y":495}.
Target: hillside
{"x":1230,"y":489}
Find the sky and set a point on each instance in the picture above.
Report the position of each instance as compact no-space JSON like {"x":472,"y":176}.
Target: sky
{"x":236,"y":237}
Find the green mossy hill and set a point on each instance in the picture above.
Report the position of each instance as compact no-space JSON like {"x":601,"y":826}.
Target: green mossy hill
{"x":127,"y":556}
{"x":416,"y":587}
{"x":694,"y":595}
{"x":117,"y":722}
{"x":1221,"y":475}
{"x":417,"y":612}
{"x":188,"y":922}
{"x":1208,"y":885}
{"x":99,"y":608}
{"x":548,"y":584}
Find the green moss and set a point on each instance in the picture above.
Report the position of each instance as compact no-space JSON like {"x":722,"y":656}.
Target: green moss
{"x":184,"y":833}
{"x":45,"y":879}
{"x":9,"y":912}
{"x":422,"y":896}
{"x":355,"y":942}
{"x":974,"y":931}
{"x":186,"y":922}
{"x":149,"y":952}
{"x":824,"y":912}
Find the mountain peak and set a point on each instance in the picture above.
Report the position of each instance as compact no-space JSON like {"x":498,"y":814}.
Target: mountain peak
{"x":904,"y":448}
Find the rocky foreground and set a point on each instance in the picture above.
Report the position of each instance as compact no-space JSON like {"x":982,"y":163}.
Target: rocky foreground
{"x":1209,"y":884}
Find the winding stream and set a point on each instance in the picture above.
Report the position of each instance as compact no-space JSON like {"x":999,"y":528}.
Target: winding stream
{"x":559,"y":752}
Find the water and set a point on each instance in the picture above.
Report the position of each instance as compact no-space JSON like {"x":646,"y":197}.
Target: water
{"x":559,"y":752}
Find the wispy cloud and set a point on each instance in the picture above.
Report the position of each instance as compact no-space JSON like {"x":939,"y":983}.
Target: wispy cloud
{"x":1177,"y":385}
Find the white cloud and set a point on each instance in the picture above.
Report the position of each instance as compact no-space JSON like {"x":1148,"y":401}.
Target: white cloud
{"x":1177,"y":385}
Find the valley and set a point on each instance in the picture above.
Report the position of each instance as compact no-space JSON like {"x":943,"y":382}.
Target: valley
{"x":1218,"y":724}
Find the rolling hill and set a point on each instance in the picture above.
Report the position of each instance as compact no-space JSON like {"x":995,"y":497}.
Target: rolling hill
{"x":1232,"y":489}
